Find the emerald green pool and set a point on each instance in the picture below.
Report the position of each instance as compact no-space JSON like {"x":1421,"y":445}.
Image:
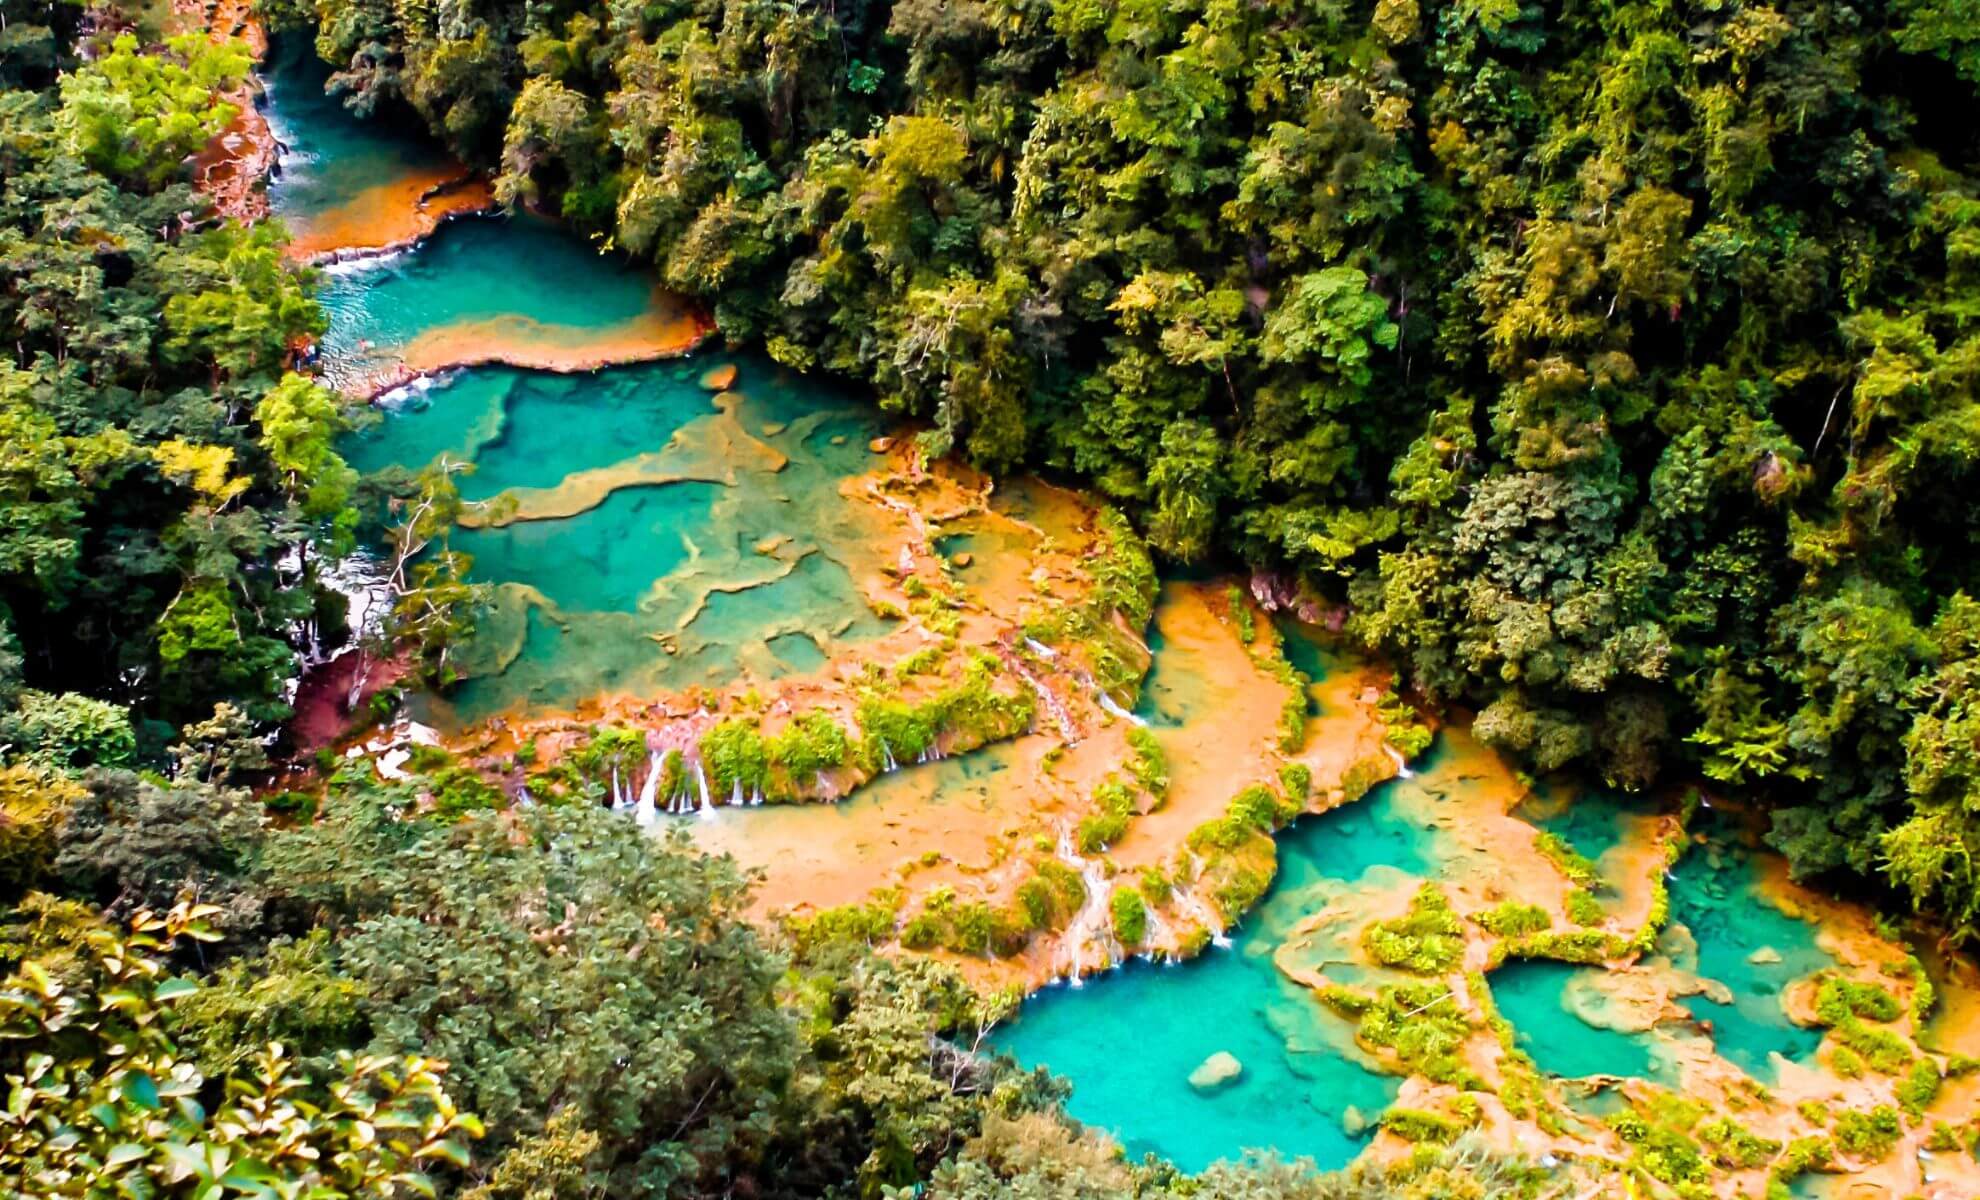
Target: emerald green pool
{"x":523,"y":271}
{"x":328,"y":155}
{"x":736,"y":551}
{"x":1128,"y":1040}
{"x":1715,"y":895}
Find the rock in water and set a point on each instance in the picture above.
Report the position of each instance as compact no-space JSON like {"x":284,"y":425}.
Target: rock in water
{"x":1765,"y":956}
{"x":720,"y":379}
{"x":962,"y":560}
{"x":880,"y":445}
{"x":1353,"y":1122}
{"x":1219,"y":1070}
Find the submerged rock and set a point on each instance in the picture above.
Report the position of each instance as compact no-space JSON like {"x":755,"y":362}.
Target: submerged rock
{"x":963,"y":559}
{"x":1765,"y":956}
{"x":880,"y":445}
{"x":1218,"y":1071}
{"x":720,"y":379}
{"x":1354,"y":1122}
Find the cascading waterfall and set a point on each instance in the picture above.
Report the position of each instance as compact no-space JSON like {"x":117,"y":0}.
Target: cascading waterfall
{"x":1092,"y":921}
{"x":887,"y":755}
{"x":1060,"y":716}
{"x":736,"y":795}
{"x":1040,"y":649}
{"x":1107,"y":702}
{"x":1161,"y":939}
{"x":1189,"y":902}
{"x":1402,"y":764}
{"x":701,"y":786}
{"x":644,"y":813}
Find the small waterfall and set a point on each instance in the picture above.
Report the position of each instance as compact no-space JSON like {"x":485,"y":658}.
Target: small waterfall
{"x":887,"y":754}
{"x":736,"y":795}
{"x":1060,"y":716}
{"x":1202,"y":912}
{"x":1107,"y":702}
{"x":643,"y":812}
{"x":701,"y":785}
{"x":1040,"y":649}
{"x":1093,"y":921}
{"x":1402,"y":764}
{"x":1161,"y":940}
{"x":620,"y":801}
{"x":756,"y":796}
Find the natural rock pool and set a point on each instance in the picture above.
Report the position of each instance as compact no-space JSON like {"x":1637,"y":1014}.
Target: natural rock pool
{"x":669,"y":550}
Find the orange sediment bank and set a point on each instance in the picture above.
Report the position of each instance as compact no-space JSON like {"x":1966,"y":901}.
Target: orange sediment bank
{"x":671,"y":328}
{"x":392,"y":215}
{"x":232,"y":167}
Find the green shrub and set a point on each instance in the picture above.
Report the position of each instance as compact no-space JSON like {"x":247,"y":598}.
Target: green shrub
{"x":1586,"y":946}
{"x":812,"y":743}
{"x":1868,"y":1135}
{"x":735,"y":757}
{"x":1918,"y":1089}
{"x":867,"y":924}
{"x":1735,"y":1147}
{"x":1583,"y":908}
{"x":1885,"y":1052}
{"x":1513,"y":919}
{"x":1155,"y":885}
{"x":1578,"y":869}
{"x":1242,"y":890}
{"x":1148,"y":763}
{"x":1428,"y":939}
{"x":1130,"y":915}
{"x":1297,"y":780}
{"x":1419,"y":1125}
{"x":1838,"y":998}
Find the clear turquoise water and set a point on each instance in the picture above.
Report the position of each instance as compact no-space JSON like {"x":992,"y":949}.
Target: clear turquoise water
{"x":1590,"y":821}
{"x":475,"y":269}
{"x":1129,"y":1039}
{"x":1529,"y":994}
{"x":328,"y":155}
{"x":658,"y":586}
{"x":1305,"y":650}
{"x":1714,"y":894}
{"x":604,"y":560}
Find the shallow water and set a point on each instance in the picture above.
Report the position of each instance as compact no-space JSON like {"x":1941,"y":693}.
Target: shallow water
{"x":329,"y":156}
{"x":688,"y":535}
{"x":1302,"y":1070}
{"x":1531,"y":995}
{"x":521,"y":271}
{"x":1715,"y":894}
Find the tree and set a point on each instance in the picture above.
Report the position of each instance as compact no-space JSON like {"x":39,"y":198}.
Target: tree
{"x":101,"y":1103}
{"x":561,"y":962}
{"x":136,"y":116}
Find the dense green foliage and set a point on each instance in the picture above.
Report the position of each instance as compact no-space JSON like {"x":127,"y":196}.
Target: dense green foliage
{"x":1616,"y":363}
{"x":167,"y":489}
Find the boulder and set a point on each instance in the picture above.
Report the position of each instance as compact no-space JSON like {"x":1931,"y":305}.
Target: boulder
{"x":720,"y":379}
{"x":1765,"y":956}
{"x":880,"y":445}
{"x":1218,"y":1071}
